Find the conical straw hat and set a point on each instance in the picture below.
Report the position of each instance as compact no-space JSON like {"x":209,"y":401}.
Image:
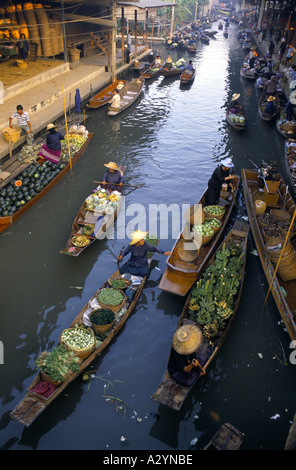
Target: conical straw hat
{"x":187,"y":339}
{"x":137,"y":236}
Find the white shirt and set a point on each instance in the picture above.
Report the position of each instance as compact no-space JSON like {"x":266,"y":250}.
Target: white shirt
{"x":115,"y":102}
{"x":23,"y":119}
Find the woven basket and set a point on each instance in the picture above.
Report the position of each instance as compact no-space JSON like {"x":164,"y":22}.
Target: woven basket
{"x":11,"y":133}
{"x":275,"y":254}
{"x":287,"y":273}
{"x":46,"y":378}
{"x":275,"y":240}
{"x":216,"y":229}
{"x":267,"y":220}
{"x":185,"y":254}
{"x":214,"y":216}
{"x":284,"y":226}
{"x":44,"y":30}
{"x":81,"y":353}
{"x":101,"y":328}
{"x":118,"y":277}
{"x":22,"y":64}
{"x":280,"y":214}
{"x":114,"y":308}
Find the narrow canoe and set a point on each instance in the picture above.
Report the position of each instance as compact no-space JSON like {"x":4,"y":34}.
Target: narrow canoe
{"x":180,"y":275}
{"x":226,"y":438}
{"x":152,"y":71}
{"x":261,"y":107}
{"x":290,"y":163}
{"x":170,"y":392}
{"x":173,"y":72}
{"x":7,"y":221}
{"x":104,"y":96}
{"x":191,"y":49}
{"x":187,"y":76}
{"x":128,"y":95}
{"x":101,"y":220}
{"x":238,"y":126}
{"x":286,"y":128}
{"x":284,"y":292}
{"x":32,"y":405}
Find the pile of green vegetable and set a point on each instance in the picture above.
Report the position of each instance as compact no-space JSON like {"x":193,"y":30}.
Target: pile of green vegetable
{"x":103,"y":316}
{"x":214,"y":210}
{"x":152,"y":240}
{"x":110,"y":296}
{"x":204,"y":230}
{"x":212,"y":299}
{"x":78,"y":338}
{"x":59,"y":364}
{"x":33,"y":179}
{"x":119,"y":283}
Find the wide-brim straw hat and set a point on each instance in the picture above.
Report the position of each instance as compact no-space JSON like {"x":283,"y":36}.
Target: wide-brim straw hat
{"x":112,"y":166}
{"x":292,"y":98}
{"x":187,"y":339}
{"x":227,"y":163}
{"x":50,"y":126}
{"x":137,"y":236}
{"x":271,"y":98}
{"x":235,"y":96}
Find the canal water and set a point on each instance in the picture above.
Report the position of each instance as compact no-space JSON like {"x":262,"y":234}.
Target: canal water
{"x":170,"y":142}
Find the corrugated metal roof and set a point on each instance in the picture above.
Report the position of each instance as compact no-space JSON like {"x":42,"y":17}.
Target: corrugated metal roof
{"x":148,"y":4}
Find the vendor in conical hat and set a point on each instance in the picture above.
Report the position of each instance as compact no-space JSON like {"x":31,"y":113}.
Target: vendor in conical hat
{"x":270,"y":107}
{"x":184,"y":365}
{"x":113,"y":176}
{"x":236,"y":108}
{"x":51,"y":150}
{"x":138,"y":247}
{"x":220,"y":175}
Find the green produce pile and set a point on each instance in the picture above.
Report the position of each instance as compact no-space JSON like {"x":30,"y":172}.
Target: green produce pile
{"x":212,"y":299}
{"x":205,"y":230}
{"x":104,"y":316}
{"x":111,"y":296}
{"x":59,"y":364}
{"x":88,"y":229}
{"x":33,"y":179}
{"x":152,"y":240}
{"x":119,"y":283}
{"x":78,"y":338}
{"x":214,"y":210}
{"x":213,"y":223}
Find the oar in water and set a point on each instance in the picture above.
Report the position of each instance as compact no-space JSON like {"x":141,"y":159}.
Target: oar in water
{"x":118,"y":184}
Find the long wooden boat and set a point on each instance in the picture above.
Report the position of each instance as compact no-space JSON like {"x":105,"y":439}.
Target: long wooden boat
{"x":246,"y":72}
{"x":170,"y":392}
{"x":261,"y":107}
{"x":191,"y":48}
{"x":226,"y":438}
{"x":290,"y":161}
{"x":7,"y":221}
{"x":99,"y":218}
{"x":187,"y":76}
{"x":173,"y":72}
{"x":128,"y":95}
{"x":237,"y":121}
{"x":33,"y":404}
{"x":284,"y":292}
{"x":286,"y":128}
{"x":104,"y":96}
{"x":152,"y":71}
{"x":180,"y":275}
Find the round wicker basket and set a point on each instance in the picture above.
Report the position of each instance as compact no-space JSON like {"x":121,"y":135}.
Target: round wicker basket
{"x":11,"y":133}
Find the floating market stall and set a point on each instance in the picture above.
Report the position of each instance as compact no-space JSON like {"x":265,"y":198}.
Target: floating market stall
{"x":33,"y":182}
{"x":89,"y":334}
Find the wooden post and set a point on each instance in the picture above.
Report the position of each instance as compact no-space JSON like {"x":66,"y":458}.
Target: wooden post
{"x":113,"y":40}
{"x":136,"y":31}
{"x":122,"y":33}
{"x":65,"y":112}
{"x":172,"y":22}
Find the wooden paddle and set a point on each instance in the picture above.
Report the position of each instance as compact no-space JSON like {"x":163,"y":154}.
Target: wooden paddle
{"x":118,"y":184}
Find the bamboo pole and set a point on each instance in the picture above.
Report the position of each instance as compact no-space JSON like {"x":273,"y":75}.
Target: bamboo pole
{"x":65,"y":112}
{"x":275,"y":271}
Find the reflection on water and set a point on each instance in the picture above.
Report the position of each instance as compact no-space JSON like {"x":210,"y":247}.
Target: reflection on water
{"x":170,"y":142}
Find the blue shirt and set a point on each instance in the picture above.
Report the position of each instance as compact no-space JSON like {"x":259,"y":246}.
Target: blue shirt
{"x":270,"y":107}
{"x":114,"y":177}
{"x":53,"y":140}
{"x":139,"y":253}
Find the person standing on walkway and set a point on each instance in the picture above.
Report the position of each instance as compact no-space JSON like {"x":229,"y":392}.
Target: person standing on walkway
{"x":129,"y":40}
{"x":23,"y":121}
{"x":270,"y":50}
{"x":24,"y":47}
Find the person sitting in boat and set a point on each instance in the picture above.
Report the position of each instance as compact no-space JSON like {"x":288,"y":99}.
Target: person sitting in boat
{"x":169,"y":62}
{"x":271,"y":86}
{"x":52,"y":149}
{"x":270,"y":106}
{"x":115,"y":100}
{"x":158,"y":61}
{"x":184,"y":365}
{"x":113,"y":177}
{"x":236,"y":108}
{"x":138,"y":265}
{"x":189,"y":67}
{"x":289,"y":109}
{"x":260,"y":82}
{"x":220,"y":176}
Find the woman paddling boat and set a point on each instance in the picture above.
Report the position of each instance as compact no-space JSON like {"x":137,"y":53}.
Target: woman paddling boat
{"x":113,"y":178}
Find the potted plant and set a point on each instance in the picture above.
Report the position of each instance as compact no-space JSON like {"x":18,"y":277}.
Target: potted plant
{"x":56,"y":366}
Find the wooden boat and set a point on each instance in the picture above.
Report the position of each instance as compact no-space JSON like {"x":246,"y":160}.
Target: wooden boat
{"x":104,"y":96}
{"x":226,"y":438}
{"x":7,"y":221}
{"x":187,"y":76}
{"x":180,"y":275}
{"x":261,"y":107}
{"x":100,"y":219}
{"x":284,"y":292}
{"x":191,"y":48}
{"x":173,"y":72}
{"x":152,"y":71}
{"x":286,"y":128}
{"x":290,"y":162}
{"x":128,"y":95}
{"x":249,"y":74}
{"x":32,"y":405}
{"x":205,"y":39}
{"x":238,"y":125}
{"x":170,"y":392}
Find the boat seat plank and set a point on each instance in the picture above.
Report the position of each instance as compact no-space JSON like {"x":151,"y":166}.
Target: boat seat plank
{"x":27,"y":410}
{"x":171,"y":394}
